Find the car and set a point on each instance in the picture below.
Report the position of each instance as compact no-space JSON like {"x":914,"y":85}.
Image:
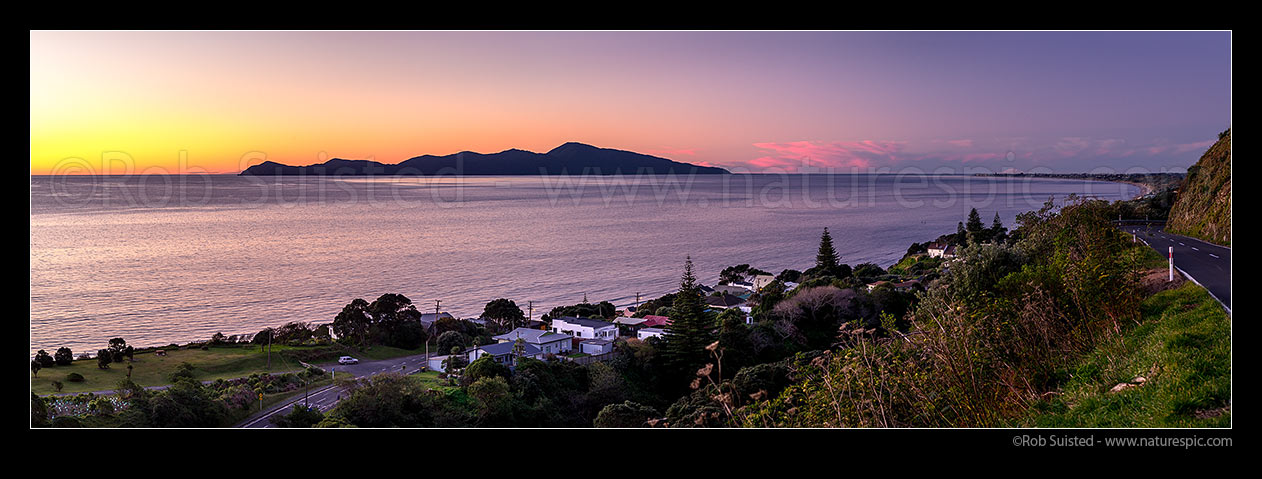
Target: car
{"x":347,"y":360}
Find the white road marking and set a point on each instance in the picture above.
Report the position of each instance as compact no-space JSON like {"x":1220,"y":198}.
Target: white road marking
{"x":1195,"y":248}
{"x":1181,"y":244}
{"x":1214,"y":255}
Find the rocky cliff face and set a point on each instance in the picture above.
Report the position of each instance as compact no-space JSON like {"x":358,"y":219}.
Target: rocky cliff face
{"x":1203,"y":206}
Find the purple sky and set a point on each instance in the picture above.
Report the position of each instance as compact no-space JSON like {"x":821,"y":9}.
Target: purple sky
{"x":749,"y":101}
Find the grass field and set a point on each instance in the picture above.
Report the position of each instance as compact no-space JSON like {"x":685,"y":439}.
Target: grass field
{"x":214,"y":363}
{"x":1182,"y":349}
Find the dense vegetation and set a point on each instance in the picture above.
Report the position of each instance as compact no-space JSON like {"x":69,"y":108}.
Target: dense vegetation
{"x":1006,"y":326}
{"x":1203,"y":206}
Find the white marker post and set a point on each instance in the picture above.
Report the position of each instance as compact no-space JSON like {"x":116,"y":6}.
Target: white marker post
{"x":1171,"y":264}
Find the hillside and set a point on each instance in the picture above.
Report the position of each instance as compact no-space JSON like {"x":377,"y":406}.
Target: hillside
{"x":1203,"y":206}
{"x":568,"y":159}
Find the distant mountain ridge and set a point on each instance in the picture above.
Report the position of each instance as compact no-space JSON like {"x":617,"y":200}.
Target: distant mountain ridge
{"x":1202,"y":208}
{"x":568,"y":159}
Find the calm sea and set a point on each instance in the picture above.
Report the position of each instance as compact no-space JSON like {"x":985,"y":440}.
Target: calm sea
{"x":161,"y":259}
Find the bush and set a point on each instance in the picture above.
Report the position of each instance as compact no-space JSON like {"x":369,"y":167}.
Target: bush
{"x":74,"y":377}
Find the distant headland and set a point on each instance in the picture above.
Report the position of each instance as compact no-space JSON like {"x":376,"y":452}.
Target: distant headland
{"x":568,"y":159}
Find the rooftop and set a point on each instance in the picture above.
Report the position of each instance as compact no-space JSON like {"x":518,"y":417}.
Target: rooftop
{"x":588,"y":322}
{"x":500,"y":349}
{"x":532,"y":336}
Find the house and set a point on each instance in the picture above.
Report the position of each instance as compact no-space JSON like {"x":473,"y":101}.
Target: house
{"x":941,"y":250}
{"x":428,"y":319}
{"x":646,"y":333}
{"x":585,"y":328}
{"x":872,"y":286}
{"x":629,"y":321}
{"x":762,"y":280}
{"x":734,"y":289}
{"x":653,"y":320}
{"x":503,"y":352}
{"x":723,"y":301}
{"x":906,"y":286}
{"x":548,"y":342}
{"x":596,"y":347}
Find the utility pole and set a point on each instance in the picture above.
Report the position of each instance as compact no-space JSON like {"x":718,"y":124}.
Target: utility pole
{"x":530,"y":316}
{"x":437,"y":302}
{"x":637,"y":301}
{"x":269,"y":351}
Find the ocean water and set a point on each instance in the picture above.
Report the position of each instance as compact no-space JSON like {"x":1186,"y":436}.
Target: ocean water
{"x":161,"y":259}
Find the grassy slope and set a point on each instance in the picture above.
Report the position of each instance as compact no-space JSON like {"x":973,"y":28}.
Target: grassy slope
{"x":1182,"y":347}
{"x":214,"y":363}
{"x":1203,"y":206}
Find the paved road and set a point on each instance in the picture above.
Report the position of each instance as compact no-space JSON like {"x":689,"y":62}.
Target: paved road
{"x":1207,"y":264}
{"x":326,"y":397}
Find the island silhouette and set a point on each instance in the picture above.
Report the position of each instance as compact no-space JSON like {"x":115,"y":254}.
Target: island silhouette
{"x":569,"y":159}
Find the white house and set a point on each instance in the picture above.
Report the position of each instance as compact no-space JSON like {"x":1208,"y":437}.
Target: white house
{"x":596,"y":347}
{"x":503,"y":352}
{"x":941,"y":250}
{"x":650,"y":333}
{"x":762,"y":280}
{"x":585,"y":328}
{"x":548,"y":342}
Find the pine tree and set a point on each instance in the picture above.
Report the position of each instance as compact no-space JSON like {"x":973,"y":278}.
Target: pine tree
{"x":691,"y":328}
{"x":974,"y":225}
{"x":997,"y":231}
{"x":826,"y":259}
{"x":960,"y":235}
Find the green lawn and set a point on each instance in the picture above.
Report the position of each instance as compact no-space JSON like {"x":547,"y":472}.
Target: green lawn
{"x":214,"y":363}
{"x":429,"y":380}
{"x":1183,"y":350}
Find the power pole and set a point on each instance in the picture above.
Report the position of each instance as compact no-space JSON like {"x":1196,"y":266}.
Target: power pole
{"x":269,"y":350}
{"x":530,"y":316}
{"x":437,"y":302}
{"x":637,"y":301}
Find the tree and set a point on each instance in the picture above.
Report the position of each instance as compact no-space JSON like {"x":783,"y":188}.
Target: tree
{"x":396,"y":321}
{"x":35,"y":367}
{"x":624,"y":415}
{"x":452,"y":340}
{"x":974,"y":229}
{"x":691,"y":328}
{"x":117,"y":349}
{"x":63,"y":356}
{"x":961,"y":236}
{"x":826,"y":259}
{"x":103,"y":358}
{"x":44,"y":359}
{"x":351,"y":324}
{"x":506,"y":314}
{"x":485,"y":367}
{"x":998,"y":233}
{"x":300,"y":416}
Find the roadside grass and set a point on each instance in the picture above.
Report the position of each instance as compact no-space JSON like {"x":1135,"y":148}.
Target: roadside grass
{"x":1182,"y":348}
{"x":430,"y":380}
{"x":219,"y":362}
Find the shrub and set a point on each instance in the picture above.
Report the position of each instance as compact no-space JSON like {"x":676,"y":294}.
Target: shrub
{"x":74,"y":377}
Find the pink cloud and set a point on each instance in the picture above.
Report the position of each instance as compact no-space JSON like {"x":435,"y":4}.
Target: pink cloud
{"x":964,"y":143}
{"x":797,"y":155}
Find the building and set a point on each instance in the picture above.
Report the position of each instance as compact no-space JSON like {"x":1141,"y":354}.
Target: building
{"x":503,"y":352}
{"x":941,"y":250}
{"x":585,"y":328}
{"x":547,"y":342}
{"x":596,"y":347}
{"x":724,"y":301}
{"x":906,"y":286}
{"x":762,"y":280}
{"x":734,"y":289}
{"x":646,"y":333}
{"x":428,"y":319}
{"x":653,"y":320}
{"x":872,"y":286}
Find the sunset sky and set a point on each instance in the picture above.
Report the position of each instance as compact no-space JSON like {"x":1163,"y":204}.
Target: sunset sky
{"x":135,"y":102}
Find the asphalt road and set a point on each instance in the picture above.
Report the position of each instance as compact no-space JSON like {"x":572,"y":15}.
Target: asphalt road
{"x":326,"y":397}
{"x":1207,"y":264}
